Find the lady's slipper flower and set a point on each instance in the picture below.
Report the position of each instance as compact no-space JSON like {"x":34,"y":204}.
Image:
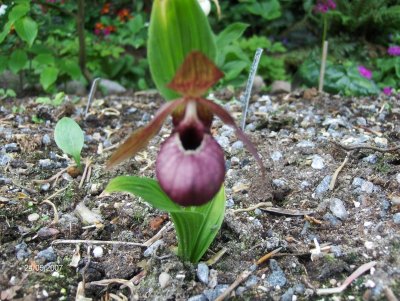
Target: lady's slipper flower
{"x":190,"y":166}
{"x":394,"y":50}
{"x":387,"y":91}
{"x":364,"y":72}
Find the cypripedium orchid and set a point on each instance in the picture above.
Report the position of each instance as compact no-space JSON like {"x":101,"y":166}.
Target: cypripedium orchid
{"x":190,"y":166}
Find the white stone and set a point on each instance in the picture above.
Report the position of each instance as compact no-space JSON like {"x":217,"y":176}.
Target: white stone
{"x":98,"y":252}
{"x":164,"y":279}
{"x":33,"y":217}
{"x":317,"y":162}
{"x":369,"y":245}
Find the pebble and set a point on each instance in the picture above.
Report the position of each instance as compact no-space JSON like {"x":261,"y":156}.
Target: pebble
{"x":357,"y":182}
{"x":47,"y":255}
{"x":4,"y":159}
{"x":279,"y":182}
{"x":164,"y":279}
{"x":22,"y":251}
{"x":212,"y":294}
{"x":323,"y":186}
{"x":230,"y":203}
{"x":361,"y":121}
{"x":369,"y":245}
{"x":331,"y":219}
{"x":4,"y":180}
{"x":252,"y":281}
{"x":381,"y":142}
{"x":202,"y":272}
{"x":305,"y":144}
{"x":213,"y":278}
{"x":150,"y":250}
{"x":67,"y":221}
{"x":222,"y":141}
{"x":46,"y":164}
{"x":277,"y":277}
{"x":288,"y":295}
{"x":396,"y":218}
{"x":98,"y":252}
{"x":198,"y":298}
{"x":372,"y":159}
{"x":338,"y":209}
{"x":237,"y":147}
{"x":276,"y":156}
{"x":47,"y":232}
{"x":11,"y":148}
{"x":112,"y":87}
{"x":336,"y":250}
{"x":367,"y":187}
{"x":398,"y":178}
{"x":45,"y":187}
{"x":46,"y":140}
{"x":250,"y":127}
{"x":317,"y":162}
{"x":305,"y":184}
{"x":33,"y":217}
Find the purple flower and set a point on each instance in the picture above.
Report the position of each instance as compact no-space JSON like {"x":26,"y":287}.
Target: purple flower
{"x":394,"y":50}
{"x":322,"y":6}
{"x":364,"y":72}
{"x":387,"y":90}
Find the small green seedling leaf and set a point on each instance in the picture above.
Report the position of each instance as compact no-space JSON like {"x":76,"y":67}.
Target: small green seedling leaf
{"x":69,"y":138}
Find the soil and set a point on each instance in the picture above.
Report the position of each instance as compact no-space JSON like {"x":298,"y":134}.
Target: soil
{"x":303,"y":137}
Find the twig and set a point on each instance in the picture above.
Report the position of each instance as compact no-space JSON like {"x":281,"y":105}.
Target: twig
{"x":323,"y":64}
{"x":268,"y":256}
{"x":86,"y":266}
{"x":156,"y":237}
{"x":98,"y":242}
{"x":53,"y":178}
{"x":337,"y":171}
{"x":357,"y":273}
{"x":389,"y":294}
{"x":55,"y":220}
{"x":56,"y":193}
{"x":107,"y":282}
{"x":367,"y":146}
{"x":242,"y":277}
{"x":111,"y":147}
{"x":91,"y":95}
{"x":247,"y":93}
{"x":216,"y":257}
{"x":32,"y":191}
{"x":251,"y":208}
{"x":85,"y":172}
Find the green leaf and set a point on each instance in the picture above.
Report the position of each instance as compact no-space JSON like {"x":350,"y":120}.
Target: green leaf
{"x":3,"y":62}
{"x":397,"y":66}
{"x":26,"y":29}
{"x":44,"y":59}
{"x":176,"y":28}
{"x":48,"y":76}
{"x":18,"y":60}
{"x":69,"y":138}
{"x":229,"y":34}
{"x":71,"y":67}
{"x":233,"y":69}
{"x":6,"y":30}
{"x":43,"y":100}
{"x":148,"y":189}
{"x":18,"y":11}
{"x":268,"y":9}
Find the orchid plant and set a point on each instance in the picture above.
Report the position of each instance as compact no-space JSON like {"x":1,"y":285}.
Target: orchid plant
{"x":190,"y":165}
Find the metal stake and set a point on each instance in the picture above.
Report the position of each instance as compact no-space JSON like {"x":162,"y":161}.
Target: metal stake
{"x":91,"y":94}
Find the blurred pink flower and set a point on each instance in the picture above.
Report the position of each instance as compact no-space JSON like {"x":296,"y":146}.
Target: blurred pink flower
{"x":322,"y":6}
{"x":387,"y":90}
{"x":394,"y":50}
{"x":364,"y":72}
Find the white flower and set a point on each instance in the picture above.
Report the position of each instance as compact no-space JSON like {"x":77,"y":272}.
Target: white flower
{"x":205,"y":6}
{"x":3,"y":9}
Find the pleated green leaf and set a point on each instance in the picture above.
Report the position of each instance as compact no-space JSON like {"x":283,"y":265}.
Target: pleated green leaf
{"x":177,"y":27}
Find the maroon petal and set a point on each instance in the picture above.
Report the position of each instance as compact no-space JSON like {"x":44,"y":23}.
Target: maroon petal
{"x":228,"y":119}
{"x":141,"y":137}
{"x":190,"y":177}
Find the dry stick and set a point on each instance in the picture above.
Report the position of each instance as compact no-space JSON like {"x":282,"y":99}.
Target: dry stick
{"x":247,"y":93}
{"x":156,"y":237}
{"x":55,"y":220}
{"x":367,"y":146}
{"x":244,"y":275}
{"x":216,"y":257}
{"x":323,"y":64}
{"x":98,"y":242}
{"x":91,"y":95}
{"x":389,"y":294}
{"x":337,"y":171}
{"x":125,"y":282}
{"x":85,"y":172}
{"x":251,"y":208}
{"x":357,"y":273}
{"x":53,"y":178}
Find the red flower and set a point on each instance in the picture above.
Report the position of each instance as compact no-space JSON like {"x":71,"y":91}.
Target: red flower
{"x":124,"y":15}
{"x":106,"y":9}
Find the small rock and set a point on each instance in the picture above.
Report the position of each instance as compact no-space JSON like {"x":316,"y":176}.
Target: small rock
{"x":68,"y":221}
{"x":367,"y":187}
{"x":164,"y":279}
{"x":46,"y":139}
{"x":304,"y":185}
{"x":305,"y":144}
{"x":198,"y":298}
{"x":150,"y":250}
{"x":237,"y":147}
{"x":288,"y":295}
{"x":213,"y":278}
{"x":250,"y":127}
{"x":372,"y":159}
{"x":317,"y":162}
{"x":98,"y":252}
{"x":299,"y":289}
{"x":258,"y":83}
{"x":87,"y":216}
{"x":336,"y":250}
{"x":277,"y":277}
{"x":369,"y":245}
{"x":222,"y":141}
{"x":280,"y":86}
{"x":396,"y":218}
{"x":357,"y":182}
{"x":74,"y":87}
{"x":112,"y":87}
{"x":33,"y":217}
{"x":45,"y":187}
{"x":11,"y":148}
{"x":331,"y":219}
{"x":398,"y":178}
{"x":338,"y":209}
{"x":381,"y":142}
{"x":46,"y":232}
{"x":279,"y":183}
{"x":4,"y":159}
{"x":212,"y":294}
{"x":361,"y":121}
{"x":46,"y":255}
{"x":202,"y":272}
{"x":276,"y":156}
{"x":22,"y":251}
{"x":230,"y":203}
{"x":46,"y":164}
{"x":252,"y":281}
{"x":323,"y":187}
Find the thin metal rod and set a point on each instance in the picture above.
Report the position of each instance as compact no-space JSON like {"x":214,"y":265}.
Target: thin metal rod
{"x":247,"y":93}
{"x":91,"y":94}
{"x":323,"y":64}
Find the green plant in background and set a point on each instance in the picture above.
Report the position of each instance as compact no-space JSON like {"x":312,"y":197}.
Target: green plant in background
{"x":55,"y":102}
{"x":190,"y":166}
{"x":69,"y":137}
{"x":7,"y":93}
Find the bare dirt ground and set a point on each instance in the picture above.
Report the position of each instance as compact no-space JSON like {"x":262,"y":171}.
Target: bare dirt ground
{"x":322,"y":235}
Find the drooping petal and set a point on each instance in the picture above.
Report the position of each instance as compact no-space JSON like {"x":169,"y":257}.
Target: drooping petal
{"x":228,"y":119}
{"x":141,"y":137}
{"x":190,"y":177}
{"x":195,"y":76}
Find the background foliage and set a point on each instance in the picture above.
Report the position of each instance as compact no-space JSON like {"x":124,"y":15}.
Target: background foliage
{"x":40,"y":42}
